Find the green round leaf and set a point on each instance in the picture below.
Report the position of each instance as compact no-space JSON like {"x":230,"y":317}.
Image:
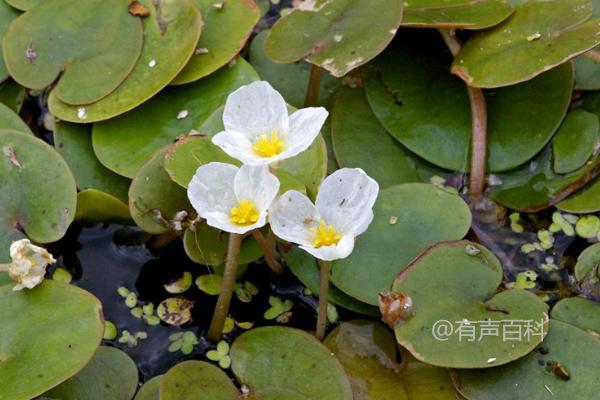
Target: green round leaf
{"x":74,"y":143}
{"x":408,"y":219}
{"x":586,"y":200}
{"x":529,"y":378}
{"x":48,"y":334}
{"x":125,"y":142}
{"x":587,"y":71}
{"x":467,"y":275}
{"x":360,"y":141}
{"x":38,"y":193}
{"x":575,"y":141}
{"x":291,"y":374}
{"x":171,"y":32}
{"x":23,"y":4}
{"x":588,"y":263}
{"x":197,"y":380}
{"x":96,"y":206}
{"x":12,"y":95}
{"x":150,"y":390}
{"x":580,"y":312}
{"x":367,"y":351}
{"x":336,"y":39}
{"x":7,"y":14}
{"x":455,"y":14}
{"x":11,"y":120}
{"x":517,"y":49}
{"x":98,"y":41}
{"x":428,"y":110}
{"x":154,"y":198}
{"x":111,"y":374}
{"x":224,"y":34}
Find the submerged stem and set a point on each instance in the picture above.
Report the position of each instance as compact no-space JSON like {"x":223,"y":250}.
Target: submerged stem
{"x":478,"y":126}
{"x":269,"y":250}
{"x":226,"y":291}
{"x":314,"y":82}
{"x":323,"y":301}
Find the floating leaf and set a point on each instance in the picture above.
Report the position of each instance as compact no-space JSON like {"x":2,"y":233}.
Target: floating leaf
{"x":367,"y":351}
{"x":197,"y":380}
{"x":586,"y":200}
{"x":11,"y":120}
{"x":517,"y":49}
{"x":170,"y":36}
{"x":12,"y":95}
{"x":336,"y":39}
{"x":96,"y":206}
{"x":38,"y":193}
{"x":110,"y":375}
{"x":588,"y":264}
{"x":424,"y":214}
{"x":74,"y":143}
{"x":90,"y":46}
{"x":308,"y":374}
{"x":7,"y":14}
{"x":575,"y":141}
{"x":455,"y":14}
{"x":224,"y":34}
{"x":175,"y":311}
{"x":154,"y":199}
{"x":43,"y":344}
{"x":580,"y":312}
{"x":468,"y":275}
{"x":23,"y":5}
{"x":428,"y":110}
{"x":530,"y":378}
{"x":150,"y":390}
{"x":155,"y":124}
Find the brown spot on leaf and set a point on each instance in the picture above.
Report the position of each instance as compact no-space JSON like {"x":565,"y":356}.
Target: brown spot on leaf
{"x":30,"y":52}
{"x":138,"y":9}
{"x":9,"y":152}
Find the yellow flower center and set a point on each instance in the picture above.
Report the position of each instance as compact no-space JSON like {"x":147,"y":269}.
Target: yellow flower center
{"x":268,"y":145}
{"x":244,"y":214}
{"x":325,"y":235}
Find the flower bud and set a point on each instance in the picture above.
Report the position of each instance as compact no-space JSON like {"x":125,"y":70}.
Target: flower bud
{"x":29,"y":264}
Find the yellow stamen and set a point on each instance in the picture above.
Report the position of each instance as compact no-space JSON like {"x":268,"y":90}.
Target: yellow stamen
{"x":268,"y":146}
{"x":244,"y":214}
{"x":325,"y":235}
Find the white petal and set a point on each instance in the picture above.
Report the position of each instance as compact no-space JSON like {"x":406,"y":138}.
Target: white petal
{"x":345,"y":200}
{"x":305,"y":125}
{"x":292,"y":215}
{"x":334,"y":252}
{"x":211,"y":189}
{"x":257,"y":185}
{"x":238,"y":146}
{"x":255,"y":109}
{"x":223,"y":222}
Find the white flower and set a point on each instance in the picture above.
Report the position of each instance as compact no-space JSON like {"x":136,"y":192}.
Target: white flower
{"x":258,"y":130}
{"x":343,"y":210}
{"x":28,"y":265}
{"x":233,"y":199}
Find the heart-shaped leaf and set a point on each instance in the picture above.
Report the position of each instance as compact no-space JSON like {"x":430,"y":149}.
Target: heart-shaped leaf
{"x":48,"y":334}
{"x":563,"y":367}
{"x":11,"y":120}
{"x":96,"y":206}
{"x":428,"y":111}
{"x":225,"y":32}
{"x":408,"y":219}
{"x":171,"y":32}
{"x":575,"y":141}
{"x":173,"y":112}
{"x":37,"y":191}
{"x":92,"y":45}
{"x":457,"y":320}
{"x":455,"y":14}
{"x":517,"y":49}
{"x":308,"y":374}
{"x":367,"y":351}
{"x":154,"y":199}
{"x":74,"y":143}
{"x":336,"y":39}
{"x":150,"y":390}
{"x":111,"y":374}
{"x":580,"y":312}
{"x":7,"y":14}
{"x":197,"y":380}
{"x":586,"y":200}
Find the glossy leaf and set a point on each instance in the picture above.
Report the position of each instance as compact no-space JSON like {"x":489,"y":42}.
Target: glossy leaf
{"x":98,"y":41}
{"x":336,"y":40}
{"x":23,"y":4}
{"x":583,"y":201}
{"x":468,"y":276}
{"x":171,"y":32}
{"x":588,"y":264}
{"x":7,"y":14}
{"x":575,"y":141}
{"x":97,"y":206}
{"x":111,"y":374}
{"x":517,"y":49}
{"x":155,"y":123}
{"x":292,"y":375}
{"x":197,"y":380}
{"x":37,"y":191}
{"x":455,"y":14}
{"x":225,"y":32}
{"x":408,"y":219}
{"x":48,"y":335}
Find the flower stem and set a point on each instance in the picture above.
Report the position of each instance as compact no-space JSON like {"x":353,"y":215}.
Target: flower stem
{"x":478,"y":124}
{"x":323,"y":293}
{"x":314,"y":82}
{"x":593,"y":55}
{"x":269,"y":250}
{"x":222,"y":308}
